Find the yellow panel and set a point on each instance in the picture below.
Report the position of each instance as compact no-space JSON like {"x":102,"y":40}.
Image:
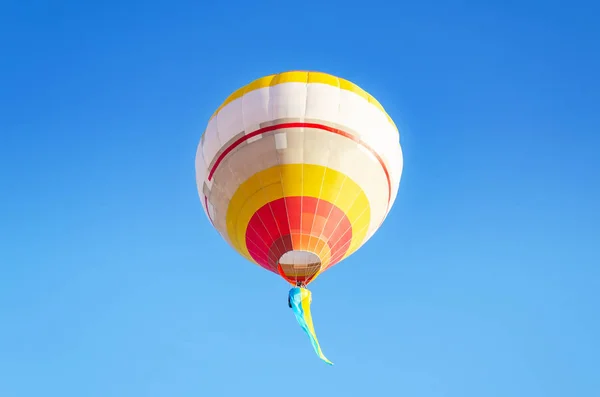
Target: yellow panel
{"x":324,"y":78}
{"x":359,"y":230}
{"x":292,"y":178}
{"x":290,"y":77}
{"x":338,"y":189}
{"x":304,"y":77}
{"x":253,"y":204}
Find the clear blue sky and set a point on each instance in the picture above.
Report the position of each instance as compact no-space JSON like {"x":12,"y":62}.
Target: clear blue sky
{"x":483,"y":281}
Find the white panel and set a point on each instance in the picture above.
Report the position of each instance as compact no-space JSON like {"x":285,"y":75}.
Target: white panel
{"x":230,"y":121}
{"x":294,"y":153}
{"x":377,"y":136}
{"x":351,"y":111}
{"x":397,"y":163}
{"x":201,"y":171}
{"x":367,"y":173}
{"x":201,"y":167}
{"x":323,"y":102}
{"x":288,"y":100}
{"x":202,"y":201}
{"x":379,"y":133}
{"x":255,"y":108}
{"x":370,"y":123}
{"x":211,"y":141}
{"x":390,"y":131}
{"x":250,"y":128}
{"x":316,"y":147}
{"x":211,"y":210}
{"x":281,"y":141}
{"x":315,"y":101}
{"x":201,"y":195}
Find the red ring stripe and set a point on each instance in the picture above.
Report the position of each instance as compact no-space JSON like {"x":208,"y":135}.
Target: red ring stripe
{"x":300,"y":125}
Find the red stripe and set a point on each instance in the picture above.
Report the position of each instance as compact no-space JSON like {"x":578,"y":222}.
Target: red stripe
{"x":301,"y":125}
{"x":267,"y":246}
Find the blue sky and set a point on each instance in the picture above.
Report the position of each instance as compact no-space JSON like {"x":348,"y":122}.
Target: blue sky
{"x":483,"y":281}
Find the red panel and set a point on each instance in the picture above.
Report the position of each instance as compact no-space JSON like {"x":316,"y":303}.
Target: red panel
{"x":308,"y":219}
{"x":323,"y":208}
{"x":318,"y":225}
{"x":278,"y":248}
{"x":309,"y":206}
{"x":339,"y":253}
{"x":257,"y":232}
{"x":333,"y":222}
{"x":267,"y":218}
{"x":280,"y":214}
{"x":290,"y":229}
{"x":294,"y":211}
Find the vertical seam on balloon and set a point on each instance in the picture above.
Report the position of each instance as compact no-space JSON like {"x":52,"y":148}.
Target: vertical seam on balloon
{"x":278,"y":230}
{"x":359,"y":193}
{"x":259,"y":237}
{"x":352,"y":223}
{"x":279,"y":161}
{"x":331,"y":209}
{"x":301,"y":232}
{"x":317,"y":206}
{"x":269,"y":110}
{"x":239,"y":183}
{"x":262,"y":192}
{"x":257,"y":213}
{"x":366,"y":227}
{"x":256,"y":248}
{"x":303,"y":164}
{"x":300,"y":229}
{"x":339,"y":110}
{"x":219,"y":142}
{"x":343,"y":182}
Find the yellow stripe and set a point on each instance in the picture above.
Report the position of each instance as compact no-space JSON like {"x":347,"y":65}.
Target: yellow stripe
{"x":304,"y":77}
{"x":297,"y":180}
{"x":305,"y":302}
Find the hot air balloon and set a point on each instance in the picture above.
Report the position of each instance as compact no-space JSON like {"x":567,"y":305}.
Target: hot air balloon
{"x":296,"y":171}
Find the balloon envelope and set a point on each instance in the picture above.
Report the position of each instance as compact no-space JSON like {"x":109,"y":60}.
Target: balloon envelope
{"x":298,"y":170}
